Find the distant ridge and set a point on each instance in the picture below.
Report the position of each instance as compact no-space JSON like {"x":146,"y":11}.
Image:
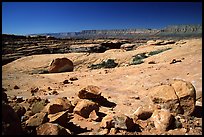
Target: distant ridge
{"x":171,"y":30}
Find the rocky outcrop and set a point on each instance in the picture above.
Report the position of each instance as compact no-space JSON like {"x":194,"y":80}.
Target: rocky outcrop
{"x":61,"y":65}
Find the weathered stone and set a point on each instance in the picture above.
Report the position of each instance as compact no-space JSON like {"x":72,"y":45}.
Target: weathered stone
{"x":37,"y":119}
{"x":10,"y":121}
{"x":90,"y":92}
{"x":61,"y":65}
{"x":60,"y":117}
{"x":34,"y":90}
{"x":187,"y":95}
{"x":52,"y":129}
{"x":19,"y":99}
{"x":85,"y":107}
{"x":165,"y":96}
{"x":162,"y":119}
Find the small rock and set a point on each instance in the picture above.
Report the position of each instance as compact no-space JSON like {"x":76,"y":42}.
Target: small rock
{"x":73,"y":78}
{"x":85,"y":107}
{"x":49,"y":88}
{"x":162,"y":119}
{"x":90,"y":92}
{"x":19,"y":99}
{"x":113,"y":131}
{"x":52,"y":129}
{"x":34,"y":90}
{"x":66,"y":82}
{"x":16,"y":87}
{"x":174,"y":61}
{"x":151,"y":62}
{"x":37,"y":119}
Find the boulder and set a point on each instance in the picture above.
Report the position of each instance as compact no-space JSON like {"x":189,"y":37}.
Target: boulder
{"x":89,"y":92}
{"x":127,"y":46}
{"x":85,"y":107}
{"x":154,"y":42}
{"x":61,"y":65}
{"x":166,"y":98}
{"x":52,"y":129}
{"x":10,"y":121}
{"x":162,"y":119}
{"x":37,"y":119}
{"x":57,"y":105}
{"x":186,"y":94}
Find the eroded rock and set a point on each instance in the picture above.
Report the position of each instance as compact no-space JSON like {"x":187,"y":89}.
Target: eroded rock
{"x":90,"y":92}
{"x":37,"y":119}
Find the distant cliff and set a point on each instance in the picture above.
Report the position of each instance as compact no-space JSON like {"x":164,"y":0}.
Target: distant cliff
{"x":174,"y":30}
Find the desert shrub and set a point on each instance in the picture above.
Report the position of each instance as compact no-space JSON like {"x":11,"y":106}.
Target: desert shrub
{"x":110,"y":63}
{"x":138,"y":59}
{"x":157,"y":51}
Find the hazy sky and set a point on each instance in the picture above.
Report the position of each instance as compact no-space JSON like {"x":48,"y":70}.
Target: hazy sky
{"x":49,"y":17}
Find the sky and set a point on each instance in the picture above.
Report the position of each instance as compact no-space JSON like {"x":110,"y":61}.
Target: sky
{"x":22,"y":18}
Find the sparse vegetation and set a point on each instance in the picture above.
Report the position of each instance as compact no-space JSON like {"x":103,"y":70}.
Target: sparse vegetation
{"x":138,"y":59}
{"x":110,"y":63}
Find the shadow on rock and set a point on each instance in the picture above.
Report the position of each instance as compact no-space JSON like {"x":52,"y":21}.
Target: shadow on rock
{"x":76,"y":129}
{"x":197,"y":112}
{"x":104,"y":102}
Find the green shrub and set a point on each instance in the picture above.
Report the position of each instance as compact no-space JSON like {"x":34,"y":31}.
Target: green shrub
{"x":110,"y":63}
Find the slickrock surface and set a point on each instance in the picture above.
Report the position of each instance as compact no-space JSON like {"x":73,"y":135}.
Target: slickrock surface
{"x":119,"y":90}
